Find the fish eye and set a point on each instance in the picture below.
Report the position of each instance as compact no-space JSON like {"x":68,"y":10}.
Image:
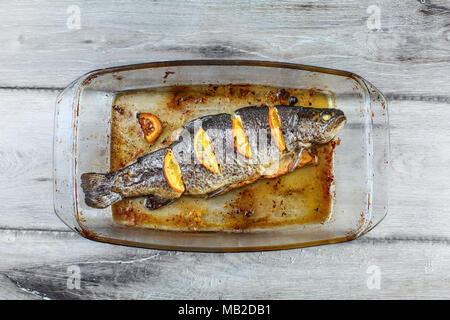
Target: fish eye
{"x":325,"y":117}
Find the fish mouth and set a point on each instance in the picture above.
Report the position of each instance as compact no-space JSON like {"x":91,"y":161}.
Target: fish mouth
{"x":338,"y":123}
{"x":336,"y":126}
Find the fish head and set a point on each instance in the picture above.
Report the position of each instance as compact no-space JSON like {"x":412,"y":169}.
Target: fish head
{"x":318,"y":126}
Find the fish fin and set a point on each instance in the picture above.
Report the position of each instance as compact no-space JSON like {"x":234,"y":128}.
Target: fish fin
{"x":297,"y":160}
{"x":219,"y":191}
{"x":230,"y":187}
{"x":155,"y":202}
{"x":301,"y":161}
{"x":97,"y":190}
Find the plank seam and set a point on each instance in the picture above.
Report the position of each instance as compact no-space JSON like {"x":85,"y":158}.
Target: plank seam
{"x":391,"y":96}
{"x":392,"y":239}
{"x":35,"y":230}
{"x":364,"y":239}
{"x":37,"y":88}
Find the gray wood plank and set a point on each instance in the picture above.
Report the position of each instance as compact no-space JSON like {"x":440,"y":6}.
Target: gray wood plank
{"x":407,"y":52}
{"x":420,"y":139}
{"x":26,"y":181}
{"x":10,"y":290}
{"x":406,"y":269}
{"x":420,"y":156}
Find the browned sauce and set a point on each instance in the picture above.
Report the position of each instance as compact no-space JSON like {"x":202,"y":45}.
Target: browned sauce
{"x":300,"y":197}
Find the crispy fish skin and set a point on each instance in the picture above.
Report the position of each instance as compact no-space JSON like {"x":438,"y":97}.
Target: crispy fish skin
{"x":143,"y":177}
{"x":234,"y":167}
{"x":301,"y":127}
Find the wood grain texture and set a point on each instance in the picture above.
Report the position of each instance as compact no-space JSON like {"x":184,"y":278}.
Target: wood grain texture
{"x":26,"y":181}
{"x":407,"y":58}
{"x":407,"y":51}
{"x":408,"y":269}
{"x":420,"y":158}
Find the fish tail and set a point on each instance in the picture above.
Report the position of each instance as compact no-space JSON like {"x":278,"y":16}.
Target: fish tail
{"x":97,"y":190}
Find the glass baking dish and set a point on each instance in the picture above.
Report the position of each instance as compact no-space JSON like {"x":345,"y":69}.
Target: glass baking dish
{"x":82,"y":144}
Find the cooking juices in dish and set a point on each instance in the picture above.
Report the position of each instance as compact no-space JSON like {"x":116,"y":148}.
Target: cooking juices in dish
{"x":300,"y":197}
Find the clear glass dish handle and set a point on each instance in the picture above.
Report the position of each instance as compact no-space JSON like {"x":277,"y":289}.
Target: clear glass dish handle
{"x":380,"y":141}
{"x":63,"y":156}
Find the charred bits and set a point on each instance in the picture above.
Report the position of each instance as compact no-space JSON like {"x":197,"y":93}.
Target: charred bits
{"x":244,"y":204}
{"x":293,"y":101}
{"x":118,"y":109}
{"x":167,"y":73}
{"x":283,"y":95}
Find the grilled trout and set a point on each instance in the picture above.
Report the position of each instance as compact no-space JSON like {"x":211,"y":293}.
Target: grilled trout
{"x":216,"y":153}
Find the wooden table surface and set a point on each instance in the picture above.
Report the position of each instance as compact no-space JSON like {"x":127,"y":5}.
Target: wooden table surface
{"x":402,"y":47}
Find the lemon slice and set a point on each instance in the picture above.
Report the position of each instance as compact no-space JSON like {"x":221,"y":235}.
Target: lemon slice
{"x":151,"y":126}
{"x":275,"y":128}
{"x":172,"y":172}
{"x":204,"y":151}
{"x":240,"y":138}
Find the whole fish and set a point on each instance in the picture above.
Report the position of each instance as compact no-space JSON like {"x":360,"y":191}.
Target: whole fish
{"x":216,"y":153}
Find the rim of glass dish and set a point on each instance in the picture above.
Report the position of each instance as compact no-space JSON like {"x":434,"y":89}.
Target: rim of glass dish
{"x":87,"y":77}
